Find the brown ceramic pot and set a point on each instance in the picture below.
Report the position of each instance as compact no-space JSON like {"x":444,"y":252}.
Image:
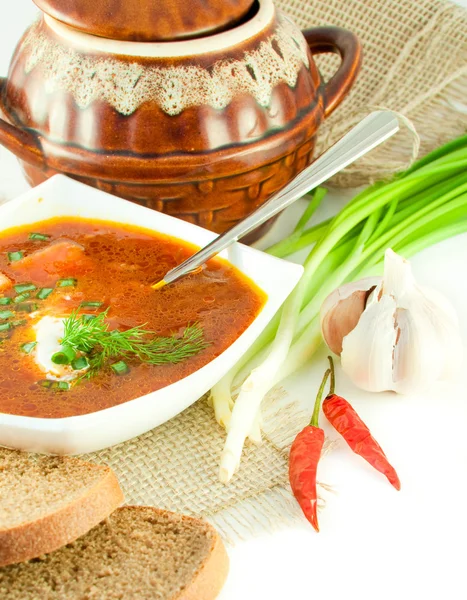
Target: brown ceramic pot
{"x":148,"y":20}
{"x":204,"y":129}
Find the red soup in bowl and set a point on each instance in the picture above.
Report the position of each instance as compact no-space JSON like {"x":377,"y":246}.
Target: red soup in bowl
{"x":81,"y":329}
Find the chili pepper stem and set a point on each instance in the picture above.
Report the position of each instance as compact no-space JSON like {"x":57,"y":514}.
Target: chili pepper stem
{"x":333,"y":376}
{"x":315,"y":416}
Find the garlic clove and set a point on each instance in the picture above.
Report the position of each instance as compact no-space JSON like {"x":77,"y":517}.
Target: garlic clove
{"x":440,"y":301}
{"x":367,"y":351}
{"x":449,"y":339}
{"x":342,"y":309}
{"x":428,"y":346}
{"x":416,"y":362}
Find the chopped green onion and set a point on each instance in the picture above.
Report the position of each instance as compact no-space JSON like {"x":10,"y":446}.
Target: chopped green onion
{"x":87,"y":318}
{"x":64,"y":357}
{"x":44,"y":293}
{"x":5,"y":326}
{"x":91,"y":304}
{"x":27,"y":307}
{"x":79,"y":363}
{"x":18,"y":323}
{"x":21,"y":297}
{"x":42,"y":237}
{"x":71,"y":281}
{"x":120,"y":368}
{"x":14,"y":256}
{"x":54,"y":385}
{"x":45,"y":383}
{"x":6,"y":314}
{"x":5,"y":301}
{"x":61,"y":385}
{"x":25,"y":287}
{"x":28,"y":347}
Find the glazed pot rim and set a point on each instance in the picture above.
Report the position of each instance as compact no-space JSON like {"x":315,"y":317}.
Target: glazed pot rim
{"x":195,"y":47}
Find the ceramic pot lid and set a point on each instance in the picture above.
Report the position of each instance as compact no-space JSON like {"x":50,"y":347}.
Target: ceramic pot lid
{"x":148,"y":20}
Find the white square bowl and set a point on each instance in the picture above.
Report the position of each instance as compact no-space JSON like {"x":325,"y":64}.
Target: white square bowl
{"x":64,"y":197}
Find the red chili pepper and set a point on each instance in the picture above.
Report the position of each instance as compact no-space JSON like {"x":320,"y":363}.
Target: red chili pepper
{"x":303,"y":464}
{"x":346,"y":421}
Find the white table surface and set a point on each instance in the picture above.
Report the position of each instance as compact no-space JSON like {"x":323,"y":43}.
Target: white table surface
{"x":375,"y":543}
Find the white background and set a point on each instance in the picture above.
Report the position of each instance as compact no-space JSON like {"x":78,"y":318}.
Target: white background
{"x":375,"y":543}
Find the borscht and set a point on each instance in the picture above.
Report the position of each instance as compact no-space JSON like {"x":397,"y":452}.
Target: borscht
{"x":81,"y":329}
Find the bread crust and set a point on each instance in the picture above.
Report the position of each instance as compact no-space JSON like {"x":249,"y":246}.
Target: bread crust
{"x":51,"y":532}
{"x":211,"y":576}
{"x":30,"y":581}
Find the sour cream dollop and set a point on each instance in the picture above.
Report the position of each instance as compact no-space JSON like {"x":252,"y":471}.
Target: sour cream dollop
{"x":49,"y":331}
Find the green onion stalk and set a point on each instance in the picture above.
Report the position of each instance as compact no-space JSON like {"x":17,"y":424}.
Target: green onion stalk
{"x":417,"y":208}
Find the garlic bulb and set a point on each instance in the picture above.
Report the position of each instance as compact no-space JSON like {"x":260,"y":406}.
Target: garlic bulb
{"x":391,"y":333}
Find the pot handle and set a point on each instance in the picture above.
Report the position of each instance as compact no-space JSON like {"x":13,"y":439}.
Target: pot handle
{"x":23,"y":143}
{"x":347,"y":45}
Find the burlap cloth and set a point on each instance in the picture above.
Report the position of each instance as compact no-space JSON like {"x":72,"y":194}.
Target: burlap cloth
{"x":175,"y":467}
{"x":415,"y":62}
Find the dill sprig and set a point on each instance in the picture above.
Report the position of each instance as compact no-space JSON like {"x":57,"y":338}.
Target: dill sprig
{"x":92,"y":336}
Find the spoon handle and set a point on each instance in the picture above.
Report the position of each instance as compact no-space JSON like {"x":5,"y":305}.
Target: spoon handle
{"x":369,"y":133}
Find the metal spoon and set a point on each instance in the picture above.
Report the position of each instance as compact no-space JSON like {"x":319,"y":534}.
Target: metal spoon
{"x":369,"y":133}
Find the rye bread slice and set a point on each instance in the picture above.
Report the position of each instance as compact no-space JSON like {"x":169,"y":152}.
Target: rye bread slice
{"x":49,"y":501}
{"x":138,"y":553}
